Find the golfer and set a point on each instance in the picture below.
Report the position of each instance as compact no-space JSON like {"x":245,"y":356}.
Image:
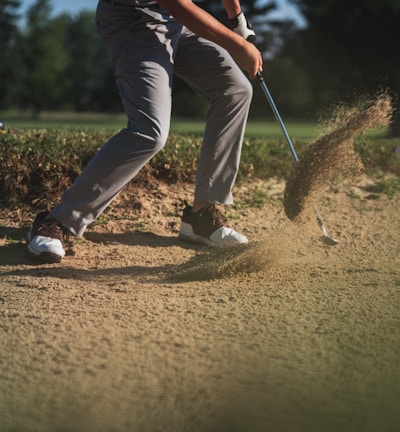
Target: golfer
{"x":150,"y":42}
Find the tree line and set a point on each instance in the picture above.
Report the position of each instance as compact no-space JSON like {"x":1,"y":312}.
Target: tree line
{"x":53,"y":62}
{"x":346,"y":52}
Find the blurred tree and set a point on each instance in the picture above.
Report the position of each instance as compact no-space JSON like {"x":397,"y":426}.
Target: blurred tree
{"x":348,"y":49}
{"x":9,"y":42}
{"x":90,"y":73}
{"x":45,"y":58}
{"x":65,"y":65}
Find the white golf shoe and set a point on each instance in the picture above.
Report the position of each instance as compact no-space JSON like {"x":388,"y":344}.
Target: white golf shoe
{"x":46,"y":239}
{"x":207,"y":226}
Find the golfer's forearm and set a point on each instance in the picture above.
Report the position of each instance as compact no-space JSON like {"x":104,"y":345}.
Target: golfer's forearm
{"x":232,"y":8}
{"x":203,"y":24}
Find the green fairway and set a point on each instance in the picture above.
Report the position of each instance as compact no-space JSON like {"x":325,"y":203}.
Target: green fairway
{"x":67,"y":120}
{"x":89,"y":121}
{"x":255,"y":129}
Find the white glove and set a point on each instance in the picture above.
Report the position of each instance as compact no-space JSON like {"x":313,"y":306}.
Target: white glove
{"x":242,"y":27}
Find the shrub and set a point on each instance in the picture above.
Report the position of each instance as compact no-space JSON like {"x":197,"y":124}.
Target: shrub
{"x":42,"y":163}
{"x":39,"y":165}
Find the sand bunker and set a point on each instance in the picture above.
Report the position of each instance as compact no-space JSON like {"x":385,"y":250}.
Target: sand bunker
{"x":332,"y":157}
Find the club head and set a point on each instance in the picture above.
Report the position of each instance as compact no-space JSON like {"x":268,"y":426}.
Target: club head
{"x":329,"y":241}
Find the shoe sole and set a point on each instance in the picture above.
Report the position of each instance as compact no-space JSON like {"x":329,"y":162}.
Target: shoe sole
{"x":195,"y":239}
{"x":44,"y":257}
{"x":186,"y":233}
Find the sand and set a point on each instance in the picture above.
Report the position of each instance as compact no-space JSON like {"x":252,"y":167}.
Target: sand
{"x":331,"y":157}
{"x":138,"y":331}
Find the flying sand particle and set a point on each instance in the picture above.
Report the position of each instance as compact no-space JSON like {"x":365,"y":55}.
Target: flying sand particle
{"x":329,"y":158}
{"x":332,"y":156}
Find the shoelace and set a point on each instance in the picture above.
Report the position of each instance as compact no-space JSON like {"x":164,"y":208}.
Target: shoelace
{"x":216,"y":215}
{"x":53,"y":229}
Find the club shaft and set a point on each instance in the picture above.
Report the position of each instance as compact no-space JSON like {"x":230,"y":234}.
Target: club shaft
{"x":277,"y":115}
{"x":288,"y":140}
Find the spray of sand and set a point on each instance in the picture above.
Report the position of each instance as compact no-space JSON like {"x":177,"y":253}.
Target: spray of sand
{"x":332,"y":157}
{"x":226,"y":263}
{"x":267,"y":256}
{"x":328,"y":159}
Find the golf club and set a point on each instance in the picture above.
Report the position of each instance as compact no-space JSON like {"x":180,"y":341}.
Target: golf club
{"x":327,"y":239}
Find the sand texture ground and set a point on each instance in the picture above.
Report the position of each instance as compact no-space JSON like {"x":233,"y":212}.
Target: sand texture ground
{"x":138,"y":331}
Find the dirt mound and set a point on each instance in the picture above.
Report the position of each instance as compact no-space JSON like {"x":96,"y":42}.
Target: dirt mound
{"x":332,"y":157}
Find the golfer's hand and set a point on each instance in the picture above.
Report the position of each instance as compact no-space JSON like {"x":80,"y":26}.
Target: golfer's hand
{"x":243,"y":28}
{"x":249,"y":58}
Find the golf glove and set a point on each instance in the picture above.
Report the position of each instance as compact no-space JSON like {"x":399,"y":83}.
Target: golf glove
{"x":242,"y":27}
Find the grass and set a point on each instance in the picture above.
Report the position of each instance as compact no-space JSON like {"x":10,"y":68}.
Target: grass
{"x":267,"y":128}
{"x":255,"y":128}
{"x":388,"y":186}
{"x":41,"y":158}
{"x":64,"y":120}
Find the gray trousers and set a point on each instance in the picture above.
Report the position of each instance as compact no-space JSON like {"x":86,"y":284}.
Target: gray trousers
{"x":148,"y":47}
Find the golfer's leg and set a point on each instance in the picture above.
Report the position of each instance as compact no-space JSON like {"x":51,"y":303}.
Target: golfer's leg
{"x":211,"y":72}
{"x":144,"y":82}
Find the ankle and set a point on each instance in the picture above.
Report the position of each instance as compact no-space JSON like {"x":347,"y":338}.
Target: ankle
{"x":197,"y":206}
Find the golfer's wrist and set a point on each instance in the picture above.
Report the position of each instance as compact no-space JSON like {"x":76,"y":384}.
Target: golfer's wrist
{"x":237,"y":20}
{"x":236,"y":45}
